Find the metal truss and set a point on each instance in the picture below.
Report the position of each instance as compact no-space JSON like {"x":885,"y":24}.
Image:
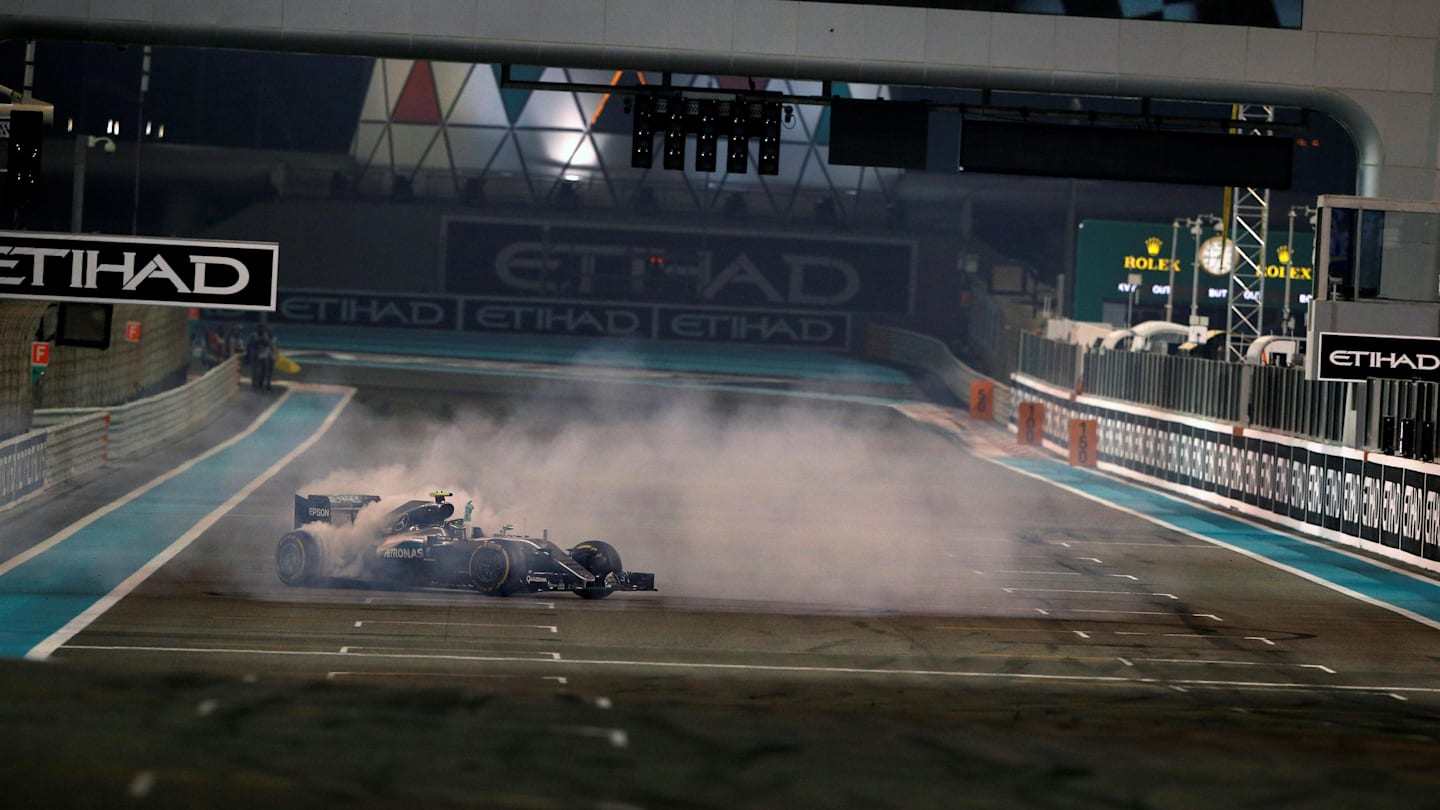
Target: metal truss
{"x":1249,"y":230}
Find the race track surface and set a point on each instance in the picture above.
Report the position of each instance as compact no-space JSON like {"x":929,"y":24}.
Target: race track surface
{"x":855,"y":610}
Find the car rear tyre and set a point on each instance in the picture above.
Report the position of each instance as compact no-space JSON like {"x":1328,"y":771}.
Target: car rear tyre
{"x":601,"y":559}
{"x":497,"y":567}
{"x":297,"y":559}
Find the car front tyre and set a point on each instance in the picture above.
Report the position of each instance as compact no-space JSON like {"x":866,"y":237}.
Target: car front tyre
{"x":601,"y":559}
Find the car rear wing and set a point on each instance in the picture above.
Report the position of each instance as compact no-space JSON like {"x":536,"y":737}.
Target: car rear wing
{"x":336,"y":509}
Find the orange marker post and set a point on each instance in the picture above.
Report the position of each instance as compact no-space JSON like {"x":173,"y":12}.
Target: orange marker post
{"x":1030,"y":427}
{"x":982,"y":400}
{"x":1084,"y":442}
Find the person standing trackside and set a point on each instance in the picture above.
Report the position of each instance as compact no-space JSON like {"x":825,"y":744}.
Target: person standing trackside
{"x":261,"y":354}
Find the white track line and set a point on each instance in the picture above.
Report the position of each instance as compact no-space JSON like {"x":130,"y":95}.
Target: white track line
{"x":804,"y":670}
{"x":552,"y":628}
{"x":43,"y":650}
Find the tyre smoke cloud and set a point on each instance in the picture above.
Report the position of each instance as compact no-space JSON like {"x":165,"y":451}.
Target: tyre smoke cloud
{"x":791,"y":500}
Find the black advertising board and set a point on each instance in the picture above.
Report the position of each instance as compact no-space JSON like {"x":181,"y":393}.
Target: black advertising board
{"x":1265,"y":463}
{"x":820,"y":330}
{"x":1250,"y":471}
{"x":1299,"y":482}
{"x":1154,"y":447}
{"x":384,"y":310}
{"x":712,"y":268}
{"x":571,"y":318}
{"x":1430,"y":549}
{"x":1352,"y":487}
{"x":1348,"y":357}
{"x":1249,"y":13}
{"x":1412,"y":512}
{"x":1332,"y":493}
{"x":1123,"y":153}
{"x":138,"y":270}
{"x":1207,"y":462}
{"x":1226,"y":477}
{"x":1278,"y":457}
{"x":1112,"y":446}
{"x":1391,"y":499}
{"x":1371,"y":491}
{"x":1179,"y":462}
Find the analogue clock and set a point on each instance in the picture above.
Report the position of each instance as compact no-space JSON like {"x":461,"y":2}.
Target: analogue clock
{"x":1217,"y":255}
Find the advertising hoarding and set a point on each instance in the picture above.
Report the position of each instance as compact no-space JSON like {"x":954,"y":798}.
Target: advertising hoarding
{"x":1108,"y":253}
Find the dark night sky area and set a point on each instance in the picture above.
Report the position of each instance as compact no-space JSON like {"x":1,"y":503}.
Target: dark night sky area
{"x":209,"y":97}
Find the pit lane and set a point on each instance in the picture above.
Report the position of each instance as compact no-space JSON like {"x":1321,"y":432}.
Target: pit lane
{"x":1097,"y":657}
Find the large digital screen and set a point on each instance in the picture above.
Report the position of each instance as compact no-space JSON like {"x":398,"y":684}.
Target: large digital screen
{"x":1253,"y":13}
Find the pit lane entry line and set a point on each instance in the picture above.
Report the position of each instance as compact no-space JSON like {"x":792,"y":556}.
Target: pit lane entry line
{"x":57,"y":588}
{"x":1375,"y":583}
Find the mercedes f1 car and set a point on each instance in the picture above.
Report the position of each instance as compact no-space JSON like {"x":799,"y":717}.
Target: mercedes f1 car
{"x":423,"y":543}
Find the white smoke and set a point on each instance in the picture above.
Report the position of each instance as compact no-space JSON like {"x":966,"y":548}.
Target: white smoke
{"x":793,"y":501}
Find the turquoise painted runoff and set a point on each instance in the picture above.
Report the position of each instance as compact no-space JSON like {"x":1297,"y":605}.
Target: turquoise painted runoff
{"x":1418,"y":596}
{"x":42,"y":594}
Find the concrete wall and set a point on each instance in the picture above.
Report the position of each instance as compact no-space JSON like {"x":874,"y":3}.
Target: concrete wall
{"x":82,"y":378}
{"x":1371,"y":65}
{"x":18,"y":321}
{"x":85,"y":378}
{"x":344,"y":244}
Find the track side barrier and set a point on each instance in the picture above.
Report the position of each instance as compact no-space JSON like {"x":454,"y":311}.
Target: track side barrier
{"x":1316,"y":483}
{"x":1365,"y":500}
{"x":138,"y":428}
{"x":906,"y":348}
{"x":76,"y":448}
{"x":70,"y":443}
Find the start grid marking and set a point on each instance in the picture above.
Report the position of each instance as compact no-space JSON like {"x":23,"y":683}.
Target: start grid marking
{"x":1097,"y":638}
{"x":487,"y":631}
{"x":550,"y":627}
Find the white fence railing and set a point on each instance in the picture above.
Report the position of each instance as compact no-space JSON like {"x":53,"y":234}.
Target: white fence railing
{"x":75,"y":448}
{"x":68,"y":443}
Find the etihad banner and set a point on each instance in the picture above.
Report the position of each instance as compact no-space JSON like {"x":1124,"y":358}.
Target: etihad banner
{"x":1348,"y":357}
{"x":571,"y":318}
{"x":497,"y":258}
{"x":138,"y":270}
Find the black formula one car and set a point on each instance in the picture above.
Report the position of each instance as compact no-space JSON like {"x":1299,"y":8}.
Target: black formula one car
{"x":422,"y":543}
